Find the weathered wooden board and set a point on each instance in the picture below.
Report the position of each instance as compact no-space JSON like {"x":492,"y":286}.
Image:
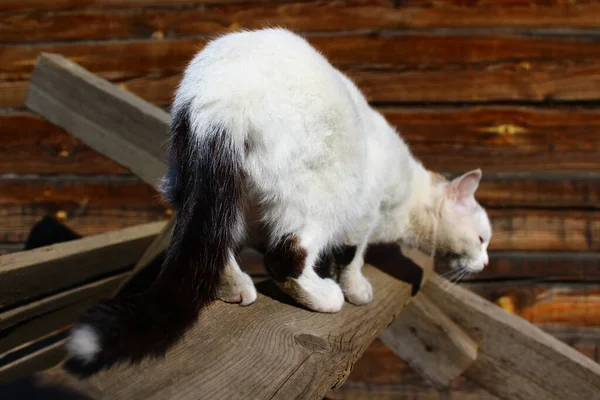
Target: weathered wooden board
{"x":73,"y":193}
{"x":574,"y":191}
{"x":17,"y":220}
{"x":379,"y":369}
{"x":321,"y":16}
{"x":38,"y":5}
{"x":448,"y":139}
{"x":558,"y":266}
{"x":545,"y":230}
{"x":111,"y":121}
{"x":424,"y":337}
{"x":515,"y":359}
{"x":33,"y":145}
{"x":390,"y":50}
{"x":44,"y":271}
{"x":360,"y":392}
{"x":552,"y":306}
{"x":519,"y":82}
{"x":37,"y":361}
{"x":39,"y":318}
{"x":514,"y":229}
{"x":299,"y":353}
{"x":309,"y":16}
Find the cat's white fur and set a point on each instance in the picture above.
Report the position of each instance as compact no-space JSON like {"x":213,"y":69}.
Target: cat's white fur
{"x":323,"y":165}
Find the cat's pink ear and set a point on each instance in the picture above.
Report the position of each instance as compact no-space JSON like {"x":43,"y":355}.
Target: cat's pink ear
{"x":464,"y":187}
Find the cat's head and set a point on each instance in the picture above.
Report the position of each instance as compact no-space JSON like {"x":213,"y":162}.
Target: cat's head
{"x":463,"y":227}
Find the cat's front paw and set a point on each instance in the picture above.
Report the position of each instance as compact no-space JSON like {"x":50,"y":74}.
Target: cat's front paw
{"x":357,"y":289}
{"x":237,"y":288}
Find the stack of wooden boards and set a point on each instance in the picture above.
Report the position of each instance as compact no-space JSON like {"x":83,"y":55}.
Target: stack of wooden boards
{"x":509,"y":86}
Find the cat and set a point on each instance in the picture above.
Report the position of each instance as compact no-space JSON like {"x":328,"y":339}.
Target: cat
{"x":262,"y":117}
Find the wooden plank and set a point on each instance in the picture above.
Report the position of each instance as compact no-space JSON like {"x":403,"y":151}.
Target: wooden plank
{"x":522,"y":81}
{"x":39,"y":5}
{"x":37,"y":361}
{"x":555,"y":306}
{"x":512,"y":350}
{"x":516,"y":138}
{"x":113,"y":122}
{"x":30,"y":274}
{"x":94,"y":207}
{"x":574,"y":266}
{"x":545,"y":230}
{"x":313,"y":353}
{"x":518,"y":81}
{"x":18,"y":220}
{"x":322,"y":16}
{"x":71,"y":193}
{"x":502,"y":6}
{"x":33,"y":145}
{"x":34,"y":320}
{"x":380,"y":368}
{"x":394,"y":393}
{"x":433,"y":345}
{"x":449,"y":139}
{"x":398,"y":50}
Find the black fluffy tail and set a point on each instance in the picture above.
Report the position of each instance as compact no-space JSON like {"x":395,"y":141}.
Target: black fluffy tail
{"x":204,"y":184}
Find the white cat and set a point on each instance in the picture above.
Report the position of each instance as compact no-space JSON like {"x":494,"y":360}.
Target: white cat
{"x":261,"y":116}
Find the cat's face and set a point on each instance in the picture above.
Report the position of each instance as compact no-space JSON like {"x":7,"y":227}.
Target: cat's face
{"x":464,"y":230}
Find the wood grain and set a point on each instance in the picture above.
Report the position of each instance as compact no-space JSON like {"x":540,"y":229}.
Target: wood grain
{"x":113,"y":122}
{"x":18,"y":221}
{"x":30,"y":274}
{"x":424,"y":337}
{"x":357,"y":392}
{"x":509,"y":82}
{"x":81,"y":193}
{"x":514,"y":229}
{"x":398,"y":50}
{"x":512,"y":350}
{"x":71,"y":193}
{"x":558,"y":266}
{"x":544,"y":230}
{"x":447,"y":139}
{"x":556,"y":306}
{"x":33,"y":145}
{"x":321,"y":16}
{"x":38,"y":5}
{"x":300,"y":354}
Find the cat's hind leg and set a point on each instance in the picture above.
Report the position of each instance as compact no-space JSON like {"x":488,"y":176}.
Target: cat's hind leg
{"x":356,"y":287}
{"x":236,"y":286}
{"x":291,"y":262}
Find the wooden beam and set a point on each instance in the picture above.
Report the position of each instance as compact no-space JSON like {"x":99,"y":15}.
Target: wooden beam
{"x":516,"y":360}
{"x":430,"y":342}
{"x":29,"y":274}
{"x":36,"y":319}
{"x":37,"y":361}
{"x":299,"y":353}
{"x":115,"y":123}
{"x":323,"y":16}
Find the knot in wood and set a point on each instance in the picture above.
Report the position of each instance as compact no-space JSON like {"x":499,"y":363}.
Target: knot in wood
{"x":312,"y":343}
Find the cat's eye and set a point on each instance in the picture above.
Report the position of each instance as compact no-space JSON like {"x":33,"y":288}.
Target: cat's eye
{"x":480,"y":240}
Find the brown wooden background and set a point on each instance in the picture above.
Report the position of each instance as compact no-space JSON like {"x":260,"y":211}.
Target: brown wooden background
{"x":511,"y":86}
